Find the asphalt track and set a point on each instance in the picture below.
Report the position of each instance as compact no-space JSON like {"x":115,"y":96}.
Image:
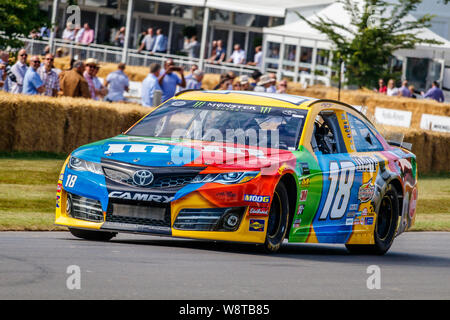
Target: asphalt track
{"x":33,"y":265}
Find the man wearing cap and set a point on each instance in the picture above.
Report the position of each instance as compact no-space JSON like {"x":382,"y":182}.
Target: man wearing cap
{"x":88,"y":74}
{"x":196,"y":81}
{"x":245,"y":83}
{"x":265,"y":81}
{"x":118,"y":83}
{"x":49,"y":77}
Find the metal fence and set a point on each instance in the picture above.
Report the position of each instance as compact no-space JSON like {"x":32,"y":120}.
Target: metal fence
{"x":135,"y":58}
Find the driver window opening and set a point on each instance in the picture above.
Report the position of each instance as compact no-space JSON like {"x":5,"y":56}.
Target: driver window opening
{"x":327,"y":137}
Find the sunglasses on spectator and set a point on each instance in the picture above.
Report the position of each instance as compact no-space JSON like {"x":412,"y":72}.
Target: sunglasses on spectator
{"x":36,"y":61}
{"x":49,"y":59}
{"x":24,"y":55}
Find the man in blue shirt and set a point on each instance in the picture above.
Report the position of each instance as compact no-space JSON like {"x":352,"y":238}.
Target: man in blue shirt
{"x":32,"y":83}
{"x":160,"y":45}
{"x":434,"y":93}
{"x":169,"y":80}
{"x":196,"y":81}
{"x":150,"y":85}
{"x":118,"y":83}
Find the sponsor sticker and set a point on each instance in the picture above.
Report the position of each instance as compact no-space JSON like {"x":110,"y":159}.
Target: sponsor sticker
{"x":256,"y":211}
{"x":303,"y":195}
{"x":256,"y":225}
{"x":297,"y":223}
{"x":305,"y":182}
{"x":349,"y":221}
{"x":58,"y":198}
{"x":369,"y":221}
{"x":140,"y":196}
{"x":366,"y":191}
{"x":300,"y":209}
{"x":256,"y":198}
{"x":178,"y":103}
{"x":353,"y":207}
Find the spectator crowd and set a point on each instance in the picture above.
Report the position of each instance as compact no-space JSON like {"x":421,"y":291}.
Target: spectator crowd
{"x":409,"y":91}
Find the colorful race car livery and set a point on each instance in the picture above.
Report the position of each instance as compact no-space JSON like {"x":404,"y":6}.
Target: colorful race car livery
{"x":243,"y":166}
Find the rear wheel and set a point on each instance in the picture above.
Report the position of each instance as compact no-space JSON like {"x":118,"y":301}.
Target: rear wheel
{"x":385,"y":227}
{"x":278,"y":219}
{"x":92,"y":235}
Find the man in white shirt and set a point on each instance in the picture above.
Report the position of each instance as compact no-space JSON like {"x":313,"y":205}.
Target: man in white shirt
{"x":238,"y":55}
{"x":19,"y":69}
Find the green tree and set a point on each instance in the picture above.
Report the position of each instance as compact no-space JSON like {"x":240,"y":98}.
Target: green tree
{"x":17,"y":19}
{"x":377,"y":29}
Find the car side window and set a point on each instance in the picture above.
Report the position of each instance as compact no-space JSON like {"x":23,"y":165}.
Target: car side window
{"x":327,"y":137}
{"x":363,"y":137}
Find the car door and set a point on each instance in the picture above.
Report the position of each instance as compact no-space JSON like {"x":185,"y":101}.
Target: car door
{"x":331,"y":142}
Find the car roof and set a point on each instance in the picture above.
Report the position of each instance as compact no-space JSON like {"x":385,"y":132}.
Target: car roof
{"x":247,"y":97}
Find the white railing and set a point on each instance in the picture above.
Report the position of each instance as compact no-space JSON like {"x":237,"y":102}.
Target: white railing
{"x":113,"y":54}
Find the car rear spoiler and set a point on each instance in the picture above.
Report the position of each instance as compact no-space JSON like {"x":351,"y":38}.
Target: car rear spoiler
{"x":405,"y":145}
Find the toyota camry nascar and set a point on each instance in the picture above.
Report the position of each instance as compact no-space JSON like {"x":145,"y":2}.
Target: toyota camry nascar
{"x":246,"y":167}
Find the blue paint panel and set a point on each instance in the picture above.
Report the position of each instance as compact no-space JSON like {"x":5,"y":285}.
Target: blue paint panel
{"x":186,"y":190}
{"x":331,"y":230}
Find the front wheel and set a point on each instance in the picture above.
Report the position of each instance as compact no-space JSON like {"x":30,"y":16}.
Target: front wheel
{"x":92,"y":235}
{"x":385,"y":227}
{"x":278,"y":219}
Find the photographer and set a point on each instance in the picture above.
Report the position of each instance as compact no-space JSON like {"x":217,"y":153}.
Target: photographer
{"x":168,"y":80}
{"x":4,"y":70}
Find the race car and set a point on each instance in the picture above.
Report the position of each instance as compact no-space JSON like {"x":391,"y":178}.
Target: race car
{"x":246,"y":167}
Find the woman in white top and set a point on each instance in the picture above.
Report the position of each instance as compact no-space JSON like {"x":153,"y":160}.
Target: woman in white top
{"x":391,"y":89}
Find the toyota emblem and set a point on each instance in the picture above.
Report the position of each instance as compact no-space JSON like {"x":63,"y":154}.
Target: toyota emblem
{"x":143,"y":178}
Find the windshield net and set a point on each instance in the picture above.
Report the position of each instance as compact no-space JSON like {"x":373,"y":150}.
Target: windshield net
{"x":251,"y":125}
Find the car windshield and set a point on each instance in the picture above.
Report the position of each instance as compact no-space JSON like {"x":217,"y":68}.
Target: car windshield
{"x":251,"y":125}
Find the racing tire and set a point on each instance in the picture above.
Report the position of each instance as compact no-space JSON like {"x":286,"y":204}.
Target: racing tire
{"x":277,"y":224}
{"x":92,"y":235}
{"x":385,"y":226}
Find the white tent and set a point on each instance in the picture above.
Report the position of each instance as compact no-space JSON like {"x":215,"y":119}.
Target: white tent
{"x":301,"y":34}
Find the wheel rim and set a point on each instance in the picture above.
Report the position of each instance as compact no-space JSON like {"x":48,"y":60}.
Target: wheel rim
{"x":274,"y":223}
{"x":384,"y":220}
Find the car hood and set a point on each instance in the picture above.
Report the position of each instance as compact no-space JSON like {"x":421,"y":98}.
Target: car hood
{"x":165,"y":152}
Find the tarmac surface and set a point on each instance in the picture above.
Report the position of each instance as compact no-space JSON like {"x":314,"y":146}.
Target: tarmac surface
{"x":55,"y":265}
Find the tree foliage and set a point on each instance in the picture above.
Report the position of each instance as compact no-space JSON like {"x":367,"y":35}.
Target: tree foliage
{"x":17,"y":19}
{"x":377,"y":29}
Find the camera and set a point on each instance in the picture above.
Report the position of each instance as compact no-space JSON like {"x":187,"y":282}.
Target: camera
{"x":10,"y":74}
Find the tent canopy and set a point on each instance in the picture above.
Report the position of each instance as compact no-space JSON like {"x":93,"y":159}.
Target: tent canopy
{"x":300,"y":29}
{"x":262,"y":7}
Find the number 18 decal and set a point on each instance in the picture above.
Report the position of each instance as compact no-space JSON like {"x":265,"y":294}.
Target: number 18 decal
{"x":70,"y":182}
{"x":338,"y":200}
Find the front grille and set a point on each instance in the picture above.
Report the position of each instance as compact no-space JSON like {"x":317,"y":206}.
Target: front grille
{"x":84,"y":208}
{"x":138,"y":214}
{"x":211,"y":219}
{"x":172,"y":178}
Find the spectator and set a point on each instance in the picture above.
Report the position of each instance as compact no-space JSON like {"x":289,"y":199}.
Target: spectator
{"x":412,"y":91}
{"x":59,"y":52}
{"x":4,"y":61}
{"x":282,"y":86}
{"x":140,"y":39}
{"x":224,"y":84}
{"x":119,"y":38}
{"x":49,"y":77}
{"x":257,"y":60}
{"x":32,"y":83}
{"x":160,"y":42}
{"x":100,"y":90}
{"x":213,"y":50}
{"x":265,"y":82}
{"x":191,"y":73}
{"x":219,"y":53}
{"x":78,"y":34}
{"x":168,"y":80}
{"x":272,"y":88}
{"x":196,"y":81}
{"x":255,"y":76}
{"x":244,"y":82}
{"x":150,"y":85}
{"x":148,"y":42}
{"x":87,"y":36}
{"x":381,"y":87}
{"x":237,"y":86}
{"x":88,"y":74}
{"x":434,"y":92}
{"x":238,"y":55}
{"x":117,"y":83}
{"x":404,"y":90}
{"x":192,"y":47}
{"x":69,"y":32}
{"x":19,"y":69}
{"x":391,"y":89}
{"x":72,"y":82}
{"x":44,"y":32}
